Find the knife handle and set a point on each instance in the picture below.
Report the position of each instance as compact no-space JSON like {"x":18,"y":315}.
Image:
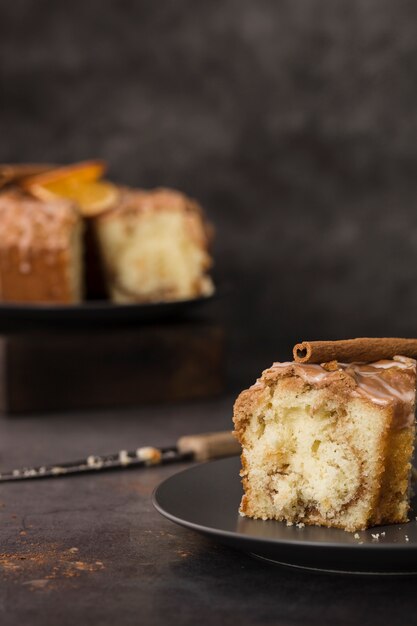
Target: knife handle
{"x":209,"y":445}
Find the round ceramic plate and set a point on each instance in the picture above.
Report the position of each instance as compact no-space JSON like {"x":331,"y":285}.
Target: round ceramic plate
{"x":100,"y":310}
{"x":206,"y":498}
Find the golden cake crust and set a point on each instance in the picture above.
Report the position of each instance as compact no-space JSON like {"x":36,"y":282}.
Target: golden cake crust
{"x":35,"y":249}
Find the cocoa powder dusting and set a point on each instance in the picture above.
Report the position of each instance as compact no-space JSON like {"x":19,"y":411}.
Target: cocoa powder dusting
{"x":43,"y":566}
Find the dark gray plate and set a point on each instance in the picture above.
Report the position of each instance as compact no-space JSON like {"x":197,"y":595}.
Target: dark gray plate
{"x":99,"y":310}
{"x":206,"y":498}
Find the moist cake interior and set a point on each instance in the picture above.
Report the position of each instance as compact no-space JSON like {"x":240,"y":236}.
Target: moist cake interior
{"x":154,"y":248}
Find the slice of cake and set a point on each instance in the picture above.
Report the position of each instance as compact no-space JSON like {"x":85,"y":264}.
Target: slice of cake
{"x":40,"y":250}
{"x":328,"y":444}
{"x":155,"y":247}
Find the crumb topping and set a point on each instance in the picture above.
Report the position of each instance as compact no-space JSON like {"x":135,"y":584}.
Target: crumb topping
{"x":382,"y":382}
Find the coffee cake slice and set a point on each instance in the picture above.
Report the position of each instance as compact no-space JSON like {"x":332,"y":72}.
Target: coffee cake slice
{"x":329,"y":444}
{"x":155,"y":247}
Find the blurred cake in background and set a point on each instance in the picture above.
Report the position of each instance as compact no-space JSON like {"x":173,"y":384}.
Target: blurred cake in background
{"x":40,"y":249}
{"x":65,"y":231}
{"x":154,"y":246}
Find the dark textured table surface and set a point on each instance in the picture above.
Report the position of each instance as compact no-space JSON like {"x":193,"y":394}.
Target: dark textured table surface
{"x":92,"y":550}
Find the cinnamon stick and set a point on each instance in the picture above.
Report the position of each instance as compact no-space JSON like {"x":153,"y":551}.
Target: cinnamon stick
{"x":363,"y":349}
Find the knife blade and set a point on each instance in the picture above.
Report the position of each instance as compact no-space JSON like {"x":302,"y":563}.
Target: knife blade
{"x":201,"y":447}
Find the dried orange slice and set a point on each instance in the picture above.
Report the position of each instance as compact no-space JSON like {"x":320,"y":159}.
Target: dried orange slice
{"x":85,"y":171}
{"x":92,"y":197}
{"x":79,"y":182}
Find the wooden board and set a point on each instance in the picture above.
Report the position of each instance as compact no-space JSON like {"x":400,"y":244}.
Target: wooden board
{"x":64,"y":369}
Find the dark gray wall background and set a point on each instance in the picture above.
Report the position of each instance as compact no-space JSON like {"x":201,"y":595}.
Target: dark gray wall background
{"x":294,"y":122}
